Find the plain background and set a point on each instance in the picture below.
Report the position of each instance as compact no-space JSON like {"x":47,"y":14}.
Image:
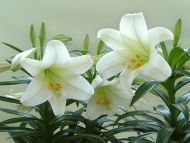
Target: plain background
{"x":77,"y":18}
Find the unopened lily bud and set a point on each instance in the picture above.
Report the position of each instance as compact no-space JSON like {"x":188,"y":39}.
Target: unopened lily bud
{"x":15,"y":64}
{"x":4,"y":66}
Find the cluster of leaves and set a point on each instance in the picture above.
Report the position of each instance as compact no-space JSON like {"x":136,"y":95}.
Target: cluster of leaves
{"x":40,"y":125}
{"x":166,"y":123}
{"x":44,"y":127}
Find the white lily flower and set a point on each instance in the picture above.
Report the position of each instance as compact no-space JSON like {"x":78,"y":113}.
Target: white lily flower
{"x":107,"y":98}
{"x":15,"y":64}
{"x":134,"y":51}
{"x":57,"y":78}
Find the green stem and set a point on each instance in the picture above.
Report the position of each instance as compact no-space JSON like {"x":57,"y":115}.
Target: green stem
{"x":171,"y":94}
{"x":46,"y":115}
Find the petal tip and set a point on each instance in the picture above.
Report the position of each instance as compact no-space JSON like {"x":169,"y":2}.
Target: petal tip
{"x":99,"y":34}
{"x":133,"y":14}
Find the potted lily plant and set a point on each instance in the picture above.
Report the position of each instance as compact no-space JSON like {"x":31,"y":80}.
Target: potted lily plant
{"x":104,"y":88}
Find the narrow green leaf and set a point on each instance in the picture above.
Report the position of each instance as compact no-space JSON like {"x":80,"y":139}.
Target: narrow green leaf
{"x":14,"y":129}
{"x":110,"y":137}
{"x":139,"y":138}
{"x":164,"y":50}
{"x":142,"y":114}
{"x":32,"y":36}
{"x":163,"y":111}
{"x":164,"y":135}
{"x":13,"y":82}
{"x":10,"y":100}
{"x":182,"y":107}
{"x":14,"y":112}
{"x":96,"y":138}
{"x":182,"y":83}
{"x":86,"y":44}
{"x":143,"y":89}
{"x":182,"y":73}
{"x":18,"y":139}
{"x":183,"y":60}
{"x":162,"y":94}
{"x":100,"y":47}
{"x":42,"y":38}
{"x":175,"y":56}
{"x":17,"y":120}
{"x":78,"y":52}
{"x":177,"y":32}
{"x":13,"y":47}
{"x":184,"y":97}
{"x":62,"y":37}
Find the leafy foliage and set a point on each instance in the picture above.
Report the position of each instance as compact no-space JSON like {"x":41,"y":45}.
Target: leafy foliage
{"x":168,"y":122}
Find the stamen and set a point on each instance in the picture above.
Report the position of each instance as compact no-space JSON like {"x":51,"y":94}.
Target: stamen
{"x":138,"y":56}
{"x":55,"y":86}
{"x":103,"y":101}
{"x":133,"y":60}
{"x":50,"y":86}
{"x":138,"y":65}
{"x":58,"y":86}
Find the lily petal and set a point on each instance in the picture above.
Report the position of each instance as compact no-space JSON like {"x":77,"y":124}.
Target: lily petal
{"x":159,"y":34}
{"x":111,"y":93}
{"x":112,"y":63}
{"x":156,"y":68}
{"x":77,"y":88}
{"x":79,"y":65}
{"x":126,"y":79}
{"x":93,"y":111}
{"x":56,"y":53}
{"x":97,"y":81}
{"x":58,"y":104}
{"x":37,"y":92}
{"x":34,"y":67}
{"x":111,"y":38}
{"x":134,"y":26}
{"x":119,"y":96}
{"x":118,"y":102}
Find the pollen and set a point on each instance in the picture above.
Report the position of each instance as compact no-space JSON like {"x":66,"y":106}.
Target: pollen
{"x":50,"y":86}
{"x":138,"y":65}
{"x":136,"y":62}
{"x":133,"y":60}
{"x":137,"y":56}
{"x":103,"y":101}
{"x":55,"y":86}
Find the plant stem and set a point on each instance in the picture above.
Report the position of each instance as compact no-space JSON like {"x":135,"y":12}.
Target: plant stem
{"x":46,"y":115}
{"x":171,"y":93}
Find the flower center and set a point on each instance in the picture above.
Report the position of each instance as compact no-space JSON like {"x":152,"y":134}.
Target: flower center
{"x":103,"y":101}
{"x":136,"y":62}
{"x":55,"y":86}
{"x":54,"y":82}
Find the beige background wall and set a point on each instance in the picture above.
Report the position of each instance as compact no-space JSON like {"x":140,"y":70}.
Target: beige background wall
{"x":78,"y":17}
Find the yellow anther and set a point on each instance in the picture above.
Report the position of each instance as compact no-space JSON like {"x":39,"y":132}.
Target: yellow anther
{"x":138,"y":56}
{"x":58,"y":86}
{"x":55,"y":86}
{"x":50,"y":86}
{"x":138,"y":65}
{"x":103,"y":101}
{"x":133,"y":60}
